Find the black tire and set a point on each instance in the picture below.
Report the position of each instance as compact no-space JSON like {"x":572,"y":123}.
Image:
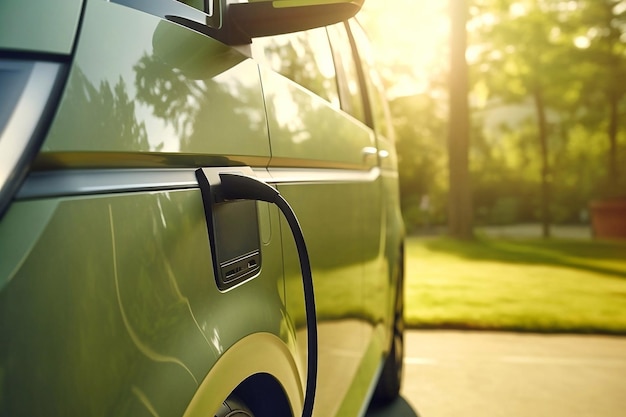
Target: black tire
{"x":232,"y":407}
{"x":390,"y":381}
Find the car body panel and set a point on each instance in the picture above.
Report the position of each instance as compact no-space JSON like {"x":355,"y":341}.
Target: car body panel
{"x":259,"y":353}
{"x":89,"y":330}
{"x":148,"y":86}
{"x":108,"y":299}
{"x":35,"y":26}
{"x":332,"y":183}
{"x":335,"y":141}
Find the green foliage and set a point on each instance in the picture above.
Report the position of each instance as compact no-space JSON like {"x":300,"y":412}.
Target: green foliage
{"x":570,"y":54}
{"x":421,"y":145}
{"x":529,"y":47}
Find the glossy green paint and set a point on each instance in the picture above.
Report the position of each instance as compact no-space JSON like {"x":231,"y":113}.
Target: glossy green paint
{"x":108,"y":304}
{"x":113,"y":297}
{"x":39,"y":26}
{"x":258,"y":354}
{"x":19,"y":232}
{"x":141,"y":84}
{"x":352,"y":288}
{"x":392,"y":228}
{"x":307,"y":131}
{"x":344,"y":224}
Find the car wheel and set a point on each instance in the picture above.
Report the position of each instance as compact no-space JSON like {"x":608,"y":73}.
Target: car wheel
{"x":232,"y":407}
{"x":388,"y":388}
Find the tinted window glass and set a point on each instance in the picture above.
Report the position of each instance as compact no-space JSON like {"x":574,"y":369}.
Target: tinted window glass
{"x":349,"y":87}
{"x":303,"y":57}
{"x":202,"y":5}
{"x":376,"y":94}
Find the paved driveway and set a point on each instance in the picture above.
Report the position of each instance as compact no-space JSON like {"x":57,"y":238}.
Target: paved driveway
{"x":506,"y":374}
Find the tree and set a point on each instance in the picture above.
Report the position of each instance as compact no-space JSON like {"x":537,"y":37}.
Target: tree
{"x":601,"y":35}
{"x":459,"y":204}
{"x":420,"y":125}
{"x":522,"y":59}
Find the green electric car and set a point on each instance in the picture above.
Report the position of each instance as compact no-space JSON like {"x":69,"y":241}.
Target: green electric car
{"x":199,"y":211}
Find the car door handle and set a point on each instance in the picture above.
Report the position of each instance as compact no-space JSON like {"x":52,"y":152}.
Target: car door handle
{"x":369,"y":154}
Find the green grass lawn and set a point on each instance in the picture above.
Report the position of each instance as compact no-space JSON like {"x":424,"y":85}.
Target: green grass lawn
{"x":516,"y":284}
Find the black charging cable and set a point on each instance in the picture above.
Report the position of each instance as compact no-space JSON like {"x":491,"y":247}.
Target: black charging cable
{"x":235,"y":186}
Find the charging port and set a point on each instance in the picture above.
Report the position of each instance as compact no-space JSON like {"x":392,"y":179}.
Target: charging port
{"x":238,"y":269}
{"x":233,"y":273}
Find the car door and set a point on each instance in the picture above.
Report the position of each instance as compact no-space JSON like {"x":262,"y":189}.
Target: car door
{"x":324,"y":162}
{"x":108,"y":303}
{"x":385,"y":268}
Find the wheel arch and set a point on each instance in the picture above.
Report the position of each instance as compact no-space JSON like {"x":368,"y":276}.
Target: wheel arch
{"x":257,"y":368}
{"x":265,"y":396}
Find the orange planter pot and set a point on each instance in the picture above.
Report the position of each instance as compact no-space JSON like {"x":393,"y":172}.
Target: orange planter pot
{"x":608,"y":218}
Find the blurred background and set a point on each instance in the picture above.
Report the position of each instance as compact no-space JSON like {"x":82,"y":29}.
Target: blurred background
{"x":510,"y":118}
{"x":546,"y":96}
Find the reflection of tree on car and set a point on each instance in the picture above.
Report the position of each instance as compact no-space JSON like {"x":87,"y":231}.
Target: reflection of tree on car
{"x":121,"y":255}
{"x":105,"y":108}
{"x":197,"y":95}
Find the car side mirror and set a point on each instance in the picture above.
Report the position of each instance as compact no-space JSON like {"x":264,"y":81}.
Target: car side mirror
{"x":236,"y":23}
{"x":273,"y":17}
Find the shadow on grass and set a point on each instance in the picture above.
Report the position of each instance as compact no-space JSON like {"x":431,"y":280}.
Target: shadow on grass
{"x":593,"y":256}
{"x":398,"y":408}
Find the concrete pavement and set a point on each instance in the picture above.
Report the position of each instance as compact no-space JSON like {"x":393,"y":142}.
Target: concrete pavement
{"x":492,"y":374}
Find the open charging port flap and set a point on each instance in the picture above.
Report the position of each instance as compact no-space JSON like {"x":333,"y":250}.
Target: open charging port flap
{"x":233,"y":227}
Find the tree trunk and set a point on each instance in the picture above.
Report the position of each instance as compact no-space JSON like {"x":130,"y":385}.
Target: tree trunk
{"x":612,"y":133}
{"x":460,"y":214}
{"x":613,"y":96}
{"x":545,"y":165}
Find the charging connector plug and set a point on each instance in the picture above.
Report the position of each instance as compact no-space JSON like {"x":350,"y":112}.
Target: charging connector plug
{"x":236,"y":186}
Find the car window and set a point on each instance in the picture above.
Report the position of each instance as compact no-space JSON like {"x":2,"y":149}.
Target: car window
{"x":303,"y":57}
{"x":210,"y":7}
{"x":350,"y":92}
{"x":376,"y":93}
